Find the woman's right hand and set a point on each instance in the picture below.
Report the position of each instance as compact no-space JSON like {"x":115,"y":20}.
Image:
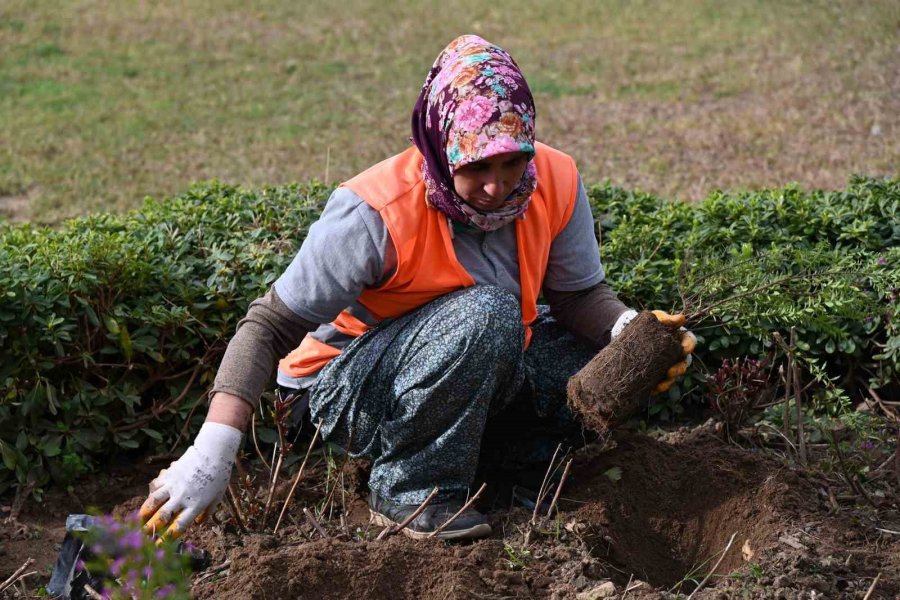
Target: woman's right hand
{"x":194,"y":484}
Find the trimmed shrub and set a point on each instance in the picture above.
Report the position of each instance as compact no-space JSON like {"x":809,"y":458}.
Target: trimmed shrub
{"x":111,"y":327}
{"x":846,"y":310}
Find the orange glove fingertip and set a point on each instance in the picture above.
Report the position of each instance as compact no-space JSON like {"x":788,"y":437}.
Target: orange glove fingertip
{"x":677,"y":370}
{"x":669,"y":320}
{"x":156,"y":524}
{"x":146,"y":512}
{"x":663,"y":386}
{"x":172,"y":533}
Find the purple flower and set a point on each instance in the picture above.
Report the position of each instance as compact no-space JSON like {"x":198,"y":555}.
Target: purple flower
{"x":868,"y":445}
{"x":159,"y":554}
{"x":116,"y":567}
{"x":165,"y":590}
{"x":133,"y":540}
{"x":79,"y":565}
{"x":147,"y":571}
{"x":131,"y":580}
{"x":882,"y":260}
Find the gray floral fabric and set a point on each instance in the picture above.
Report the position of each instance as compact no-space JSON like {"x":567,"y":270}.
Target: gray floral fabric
{"x":417,"y":393}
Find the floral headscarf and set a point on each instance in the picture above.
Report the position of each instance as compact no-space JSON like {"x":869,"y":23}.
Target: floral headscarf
{"x":475,"y":104}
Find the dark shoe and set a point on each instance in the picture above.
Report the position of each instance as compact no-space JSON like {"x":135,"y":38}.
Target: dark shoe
{"x":470,"y":525}
{"x":527,"y":498}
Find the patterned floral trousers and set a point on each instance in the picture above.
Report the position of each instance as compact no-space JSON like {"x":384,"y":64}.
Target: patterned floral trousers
{"x":418,"y":394}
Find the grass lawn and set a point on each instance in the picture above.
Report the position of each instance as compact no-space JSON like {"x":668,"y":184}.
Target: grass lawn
{"x":104,"y":103}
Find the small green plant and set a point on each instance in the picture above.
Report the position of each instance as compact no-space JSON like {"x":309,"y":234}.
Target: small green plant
{"x":516,"y":558}
{"x":756,"y":570}
{"x":613,"y":473}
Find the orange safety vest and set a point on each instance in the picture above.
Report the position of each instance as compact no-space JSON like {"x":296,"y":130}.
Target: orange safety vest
{"x":427,"y":267}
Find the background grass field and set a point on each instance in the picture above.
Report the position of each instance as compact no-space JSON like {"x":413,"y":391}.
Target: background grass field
{"x":103,"y":103}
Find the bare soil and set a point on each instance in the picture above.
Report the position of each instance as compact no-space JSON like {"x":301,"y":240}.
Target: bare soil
{"x":648,"y":515}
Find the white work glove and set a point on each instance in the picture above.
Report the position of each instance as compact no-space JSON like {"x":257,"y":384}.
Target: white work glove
{"x":688,"y":343}
{"x":194,"y":484}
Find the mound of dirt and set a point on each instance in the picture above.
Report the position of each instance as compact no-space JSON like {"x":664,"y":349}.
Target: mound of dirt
{"x":644,"y":510}
{"x":395,"y":568}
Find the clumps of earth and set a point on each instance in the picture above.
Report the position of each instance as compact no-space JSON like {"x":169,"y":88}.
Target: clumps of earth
{"x":639,"y":516}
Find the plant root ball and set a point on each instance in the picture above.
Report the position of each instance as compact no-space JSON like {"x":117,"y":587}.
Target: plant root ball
{"x":608,"y":389}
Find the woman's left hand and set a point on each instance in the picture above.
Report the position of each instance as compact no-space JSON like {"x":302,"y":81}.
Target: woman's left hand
{"x":688,"y":343}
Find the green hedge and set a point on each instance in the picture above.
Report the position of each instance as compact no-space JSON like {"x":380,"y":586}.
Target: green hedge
{"x":107,"y":320}
{"x":847,"y":321}
{"x":111,"y":327}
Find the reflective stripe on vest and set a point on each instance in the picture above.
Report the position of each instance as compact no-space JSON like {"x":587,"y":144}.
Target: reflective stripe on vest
{"x":427,"y":267}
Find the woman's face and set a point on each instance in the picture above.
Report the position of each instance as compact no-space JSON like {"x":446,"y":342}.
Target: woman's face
{"x":485,"y":184}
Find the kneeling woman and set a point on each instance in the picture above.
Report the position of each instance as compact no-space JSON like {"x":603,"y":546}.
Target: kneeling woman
{"x":409,"y":319}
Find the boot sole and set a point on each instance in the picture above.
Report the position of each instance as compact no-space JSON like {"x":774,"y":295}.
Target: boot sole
{"x":472,"y":533}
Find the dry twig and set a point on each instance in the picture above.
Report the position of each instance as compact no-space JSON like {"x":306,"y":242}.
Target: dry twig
{"x":272,"y":483}
{"x":786,"y":375}
{"x":465,"y":506}
{"x":262,"y":457}
{"x":801,"y":441}
{"x":559,"y":486}
{"x":851,"y":479}
{"x":315,"y":524}
{"x":872,"y":587}
{"x":290,"y":496}
{"x":627,"y":589}
{"x":896,"y":418}
{"x":233,"y":505}
{"x":17,"y":575}
{"x":716,"y":566}
{"x":92,"y":592}
{"x":338,"y":483}
{"x":22,"y":494}
{"x":544,"y":485}
{"x":213,"y":571}
{"x":388,"y":531}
